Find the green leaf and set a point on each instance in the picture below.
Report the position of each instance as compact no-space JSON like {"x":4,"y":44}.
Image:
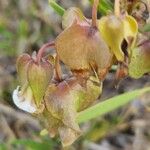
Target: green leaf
{"x":57,"y":7}
{"x":3,"y":146}
{"x":104,"y":6}
{"x":109,"y":105}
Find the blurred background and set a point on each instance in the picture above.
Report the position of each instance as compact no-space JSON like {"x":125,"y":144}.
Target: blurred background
{"x":24,"y":26}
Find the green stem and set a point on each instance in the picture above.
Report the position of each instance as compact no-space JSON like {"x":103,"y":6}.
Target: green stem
{"x":109,"y":105}
{"x":57,"y":7}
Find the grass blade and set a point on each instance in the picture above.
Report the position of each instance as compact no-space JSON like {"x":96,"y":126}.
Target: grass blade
{"x":109,"y":105}
{"x":57,"y":7}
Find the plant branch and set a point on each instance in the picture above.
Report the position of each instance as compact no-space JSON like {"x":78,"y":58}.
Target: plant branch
{"x":94,"y":13}
{"x":109,"y":105}
{"x":117,"y":8}
{"x":58,"y":69}
{"x":57,"y":7}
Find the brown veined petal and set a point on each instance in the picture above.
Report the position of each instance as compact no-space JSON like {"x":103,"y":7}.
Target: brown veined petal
{"x":79,"y":46}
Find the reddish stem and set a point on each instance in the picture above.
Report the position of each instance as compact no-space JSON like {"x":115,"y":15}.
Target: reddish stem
{"x":42,"y":50}
{"x":94,"y":13}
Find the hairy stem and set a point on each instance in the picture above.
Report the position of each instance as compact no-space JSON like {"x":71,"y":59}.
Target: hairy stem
{"x":42,"y":50}
{"x":94,"y":13}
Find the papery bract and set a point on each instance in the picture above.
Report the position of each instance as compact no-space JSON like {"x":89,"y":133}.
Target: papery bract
{"x":80,"y":46}
{"x":63,"y":101}
{"x":34,"y":79}
{"x":71,"y":16}
{"x":140,"y":60}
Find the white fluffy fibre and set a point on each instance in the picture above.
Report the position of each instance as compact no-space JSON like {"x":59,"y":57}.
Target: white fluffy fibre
{"x":25,"y":101}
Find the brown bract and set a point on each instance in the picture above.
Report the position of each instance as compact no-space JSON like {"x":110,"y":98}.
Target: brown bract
{"x":36,"y":76}
{"x":81,"y":46}
{"x":63,"y":101}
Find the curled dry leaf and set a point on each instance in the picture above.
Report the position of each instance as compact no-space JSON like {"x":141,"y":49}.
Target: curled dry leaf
{"x":62,"y":103}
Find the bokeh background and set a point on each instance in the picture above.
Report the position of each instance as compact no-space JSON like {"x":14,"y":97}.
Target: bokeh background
{"x":24,"y":26}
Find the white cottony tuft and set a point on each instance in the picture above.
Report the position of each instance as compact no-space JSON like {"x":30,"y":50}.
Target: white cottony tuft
{"x":24,"y":101}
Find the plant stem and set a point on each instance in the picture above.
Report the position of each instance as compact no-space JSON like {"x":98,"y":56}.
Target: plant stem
{"x":109,"y":105}
{"x":94,"y":13}
{"x":42,"y":50}
{"x":57,"y":7}
{"x":117,"y":8}
{"x":58,"y":71}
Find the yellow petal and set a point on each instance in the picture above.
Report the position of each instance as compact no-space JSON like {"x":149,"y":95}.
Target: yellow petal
{"x":111,"y":29}
{"x":130,"y":28}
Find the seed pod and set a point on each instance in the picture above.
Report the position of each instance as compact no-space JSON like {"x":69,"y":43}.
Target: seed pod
{"x":39,"y":76}
{"x":34,"y":79}
{"x":63,"y":101}
{"x":79,"y":46}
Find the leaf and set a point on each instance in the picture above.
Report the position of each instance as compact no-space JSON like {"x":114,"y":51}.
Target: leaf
{"x":34,"y":145}
{"x":104,"y":6}
{"x":109,"y":105}
{"x":57,"y":7}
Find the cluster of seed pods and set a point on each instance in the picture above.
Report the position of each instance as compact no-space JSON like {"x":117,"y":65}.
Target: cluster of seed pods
{"x":88,"y":47}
